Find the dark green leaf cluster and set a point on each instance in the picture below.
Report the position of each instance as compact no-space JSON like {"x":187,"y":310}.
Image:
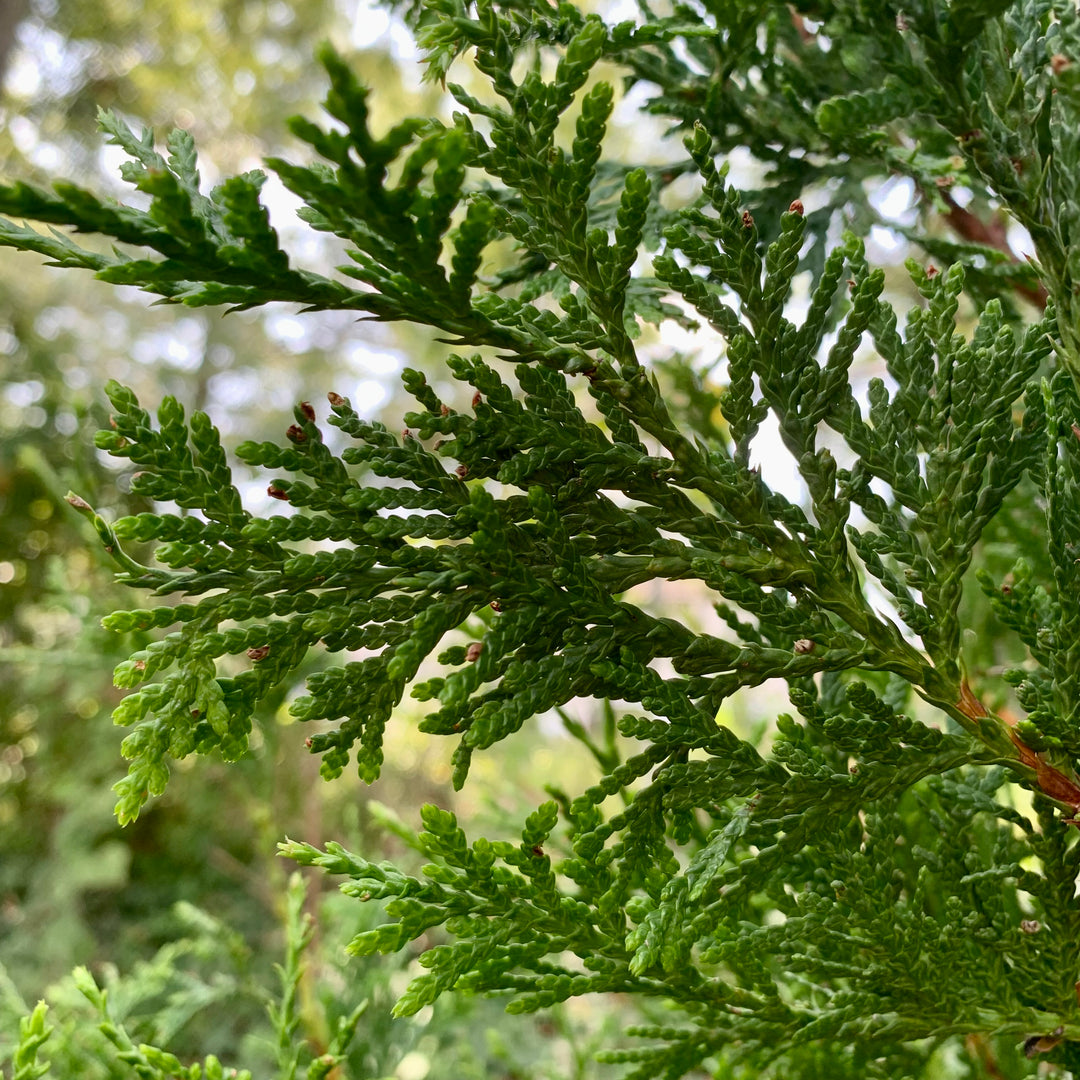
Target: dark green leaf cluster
{"x":901,"y":939}
{"x":798,"y":904}
{"x":1044,"y":614}
{"x":542,"y":571}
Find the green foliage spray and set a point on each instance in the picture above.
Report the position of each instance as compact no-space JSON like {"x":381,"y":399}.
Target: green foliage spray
{"x":887,"y":890}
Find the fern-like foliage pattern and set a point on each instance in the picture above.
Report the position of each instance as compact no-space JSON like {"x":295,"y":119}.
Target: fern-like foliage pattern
{"x":861,"y":895}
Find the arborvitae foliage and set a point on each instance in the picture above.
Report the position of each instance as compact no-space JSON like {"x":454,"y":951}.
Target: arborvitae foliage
{"x":876,"y":895}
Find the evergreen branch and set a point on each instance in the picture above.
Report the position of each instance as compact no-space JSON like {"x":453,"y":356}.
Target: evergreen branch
{"x":797,"y":903}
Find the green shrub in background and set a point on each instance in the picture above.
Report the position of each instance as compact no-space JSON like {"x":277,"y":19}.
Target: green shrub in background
{"x":872,"y":895}
{"x":114,"y":1025}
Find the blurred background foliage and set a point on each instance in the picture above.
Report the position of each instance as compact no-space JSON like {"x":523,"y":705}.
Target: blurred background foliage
{"x":183,"y":910}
